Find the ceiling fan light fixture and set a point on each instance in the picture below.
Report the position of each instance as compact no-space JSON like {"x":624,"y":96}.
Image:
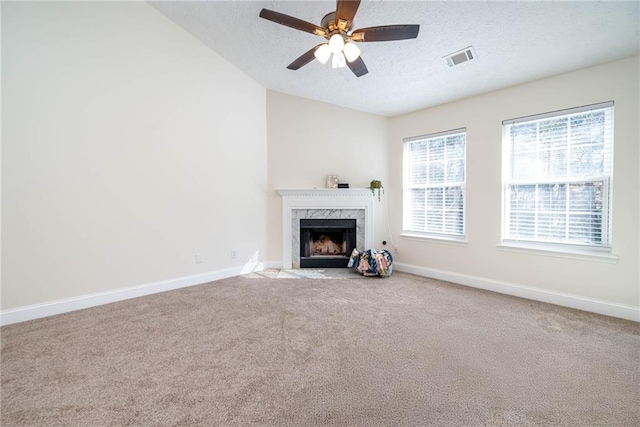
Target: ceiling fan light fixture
{"x":336,"y":27}
{"x":342,"y":62}
{"x":323,"y":53}
{"x":351,"y":51}
{"x":336,"y":43}
{"x":338,"y":60}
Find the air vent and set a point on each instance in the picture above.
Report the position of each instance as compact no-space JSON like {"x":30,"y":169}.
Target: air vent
{"x":464,"y":55}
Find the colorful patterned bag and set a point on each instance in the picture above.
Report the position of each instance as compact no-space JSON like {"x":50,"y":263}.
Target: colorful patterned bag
{"x":372,"y":262}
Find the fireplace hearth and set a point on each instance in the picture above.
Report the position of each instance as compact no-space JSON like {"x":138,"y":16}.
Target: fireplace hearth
{"x":326,"y":243}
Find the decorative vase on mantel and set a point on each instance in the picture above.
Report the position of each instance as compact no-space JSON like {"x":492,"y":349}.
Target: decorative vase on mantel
{"x":376,"y":185}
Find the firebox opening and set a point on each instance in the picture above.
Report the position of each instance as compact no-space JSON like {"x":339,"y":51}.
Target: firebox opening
{"x":326,"y":243}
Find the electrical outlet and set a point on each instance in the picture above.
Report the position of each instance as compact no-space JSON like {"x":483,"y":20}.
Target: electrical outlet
{"x":198,"y":258}
{"x":234,"y":254}
{"x":396,"y":250}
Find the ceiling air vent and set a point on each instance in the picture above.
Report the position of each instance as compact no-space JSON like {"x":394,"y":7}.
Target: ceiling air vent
{"x":464,"y":55}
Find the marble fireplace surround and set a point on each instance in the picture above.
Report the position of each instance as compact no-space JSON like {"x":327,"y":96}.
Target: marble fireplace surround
{"x":323,"y":203}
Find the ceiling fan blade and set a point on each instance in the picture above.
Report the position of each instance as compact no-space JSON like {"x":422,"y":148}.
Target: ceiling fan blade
{"x":304,"y":59}
{"x":290,"y":21}
{"x":358,"y":67}
{"x":385,"y":33}
{"x":345,"y":11}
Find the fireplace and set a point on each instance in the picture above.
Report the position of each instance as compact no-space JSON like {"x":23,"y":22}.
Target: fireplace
{"x":320,"y":204}
{"x":326,"y":243}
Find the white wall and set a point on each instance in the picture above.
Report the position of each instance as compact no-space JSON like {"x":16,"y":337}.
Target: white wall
{"x":128,"y":147}
{"x":309,"y":140}
{"x":482,"y":116}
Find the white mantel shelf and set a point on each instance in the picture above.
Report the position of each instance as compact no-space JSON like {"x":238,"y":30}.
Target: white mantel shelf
{"x":325,"y":192}
{"x":323,"y":199}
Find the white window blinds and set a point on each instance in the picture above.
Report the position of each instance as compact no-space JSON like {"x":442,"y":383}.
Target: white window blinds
{"x":557,"y":176}
{"x":434,"y":183}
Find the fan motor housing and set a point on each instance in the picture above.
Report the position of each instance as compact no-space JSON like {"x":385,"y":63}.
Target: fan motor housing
{"x":329,"y":21}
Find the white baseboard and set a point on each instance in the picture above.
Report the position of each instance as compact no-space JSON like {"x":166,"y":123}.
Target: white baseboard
{"x":66,"y":305}
{"x":558,"y":298}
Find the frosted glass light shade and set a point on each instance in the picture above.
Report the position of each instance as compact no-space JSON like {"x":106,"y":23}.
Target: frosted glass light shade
{"x":323,"y":53}
{"x":342,"y":62}
{"x":351,"y":51}
{"x":336,"y":43}
{"x":338,"y":60}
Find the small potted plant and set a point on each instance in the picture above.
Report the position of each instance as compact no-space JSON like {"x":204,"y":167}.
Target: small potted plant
{"x":375,"y":184}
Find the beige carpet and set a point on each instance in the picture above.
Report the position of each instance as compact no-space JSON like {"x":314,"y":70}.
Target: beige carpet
{"x":264,"y":350}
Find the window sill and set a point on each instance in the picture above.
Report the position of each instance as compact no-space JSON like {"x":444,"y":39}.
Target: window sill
{"x":433,"y":239}
{"x":559,"y":252}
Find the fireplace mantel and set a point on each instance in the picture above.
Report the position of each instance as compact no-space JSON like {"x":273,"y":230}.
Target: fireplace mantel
{"x":325,"y":199}
{"x":336,"y":193}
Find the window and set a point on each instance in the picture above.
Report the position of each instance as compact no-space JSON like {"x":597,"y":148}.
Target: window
{"x":557,"y":177}
{"x":434,"y":184}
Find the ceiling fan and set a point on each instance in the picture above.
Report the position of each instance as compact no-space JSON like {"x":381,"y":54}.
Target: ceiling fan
{"x":336,"y":28}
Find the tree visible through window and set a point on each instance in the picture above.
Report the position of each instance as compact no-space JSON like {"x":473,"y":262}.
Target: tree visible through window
{"x":557,"y":177}
{"x":434,"y":184}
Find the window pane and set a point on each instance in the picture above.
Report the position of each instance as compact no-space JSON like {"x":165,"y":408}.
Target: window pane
{"x":434,"y":198}
{"x":554,"y":163}
{"x":524,"y":165}
{"x":436,"y":172}
{"x":417,"y":216}
{"x":524,"y":137}
{"x":418,"y":173}
{"x":552,"y":227}
{"x":588,"y":128}
{"x":417,"y":220}
{"x":418,"y":151}
{"x":436,"y":149}
{"x":552,"y":197}
{"x":455,"y":146}
{"x":417,"y":198}
{"x":585,"y":228}
{"x":587,"y":161}
{"x":523,"y":197}
{"x":522,"y":225}
{"x":585,"y":197}
{"x":434,"y":221}
{"x":435,"y":210}
{"x":453,"y":221}
{"x":553,"y":133}
{"x":453,"y":198}
{"x":455,"y":170}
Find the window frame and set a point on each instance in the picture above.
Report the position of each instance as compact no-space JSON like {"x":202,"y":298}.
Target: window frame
{"x":439,"y":237}
{"x":571,"y":249}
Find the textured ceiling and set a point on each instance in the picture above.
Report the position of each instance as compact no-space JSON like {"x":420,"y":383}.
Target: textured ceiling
{"x":515,"y":42}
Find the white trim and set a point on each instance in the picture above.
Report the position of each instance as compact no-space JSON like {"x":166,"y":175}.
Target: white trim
{"x":565,"y":112}
{"x":435,"y":135}
{"x":307,"y":193}
{"x":607,"y":308}
{"x":324,"y":198}
{"x":559,"y":252}
{"x":36,"y":311}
